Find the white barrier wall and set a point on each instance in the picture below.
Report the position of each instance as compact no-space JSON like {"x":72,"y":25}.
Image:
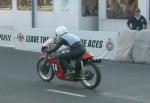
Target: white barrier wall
{"x":101,"y":44}
{"x":31,"y":39}
{"x":126,"y":41}
{"x":141,"y":49}
{"x":134,"y":46}
{"x":126,"y":46}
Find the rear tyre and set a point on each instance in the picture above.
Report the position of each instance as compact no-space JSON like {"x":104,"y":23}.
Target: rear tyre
{"x":92,"y":75}
{"x":44,"y":70}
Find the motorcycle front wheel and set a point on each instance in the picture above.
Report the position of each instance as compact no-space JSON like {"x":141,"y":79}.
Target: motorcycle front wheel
{"x":92,"y":75}
{"x":44,"y":70}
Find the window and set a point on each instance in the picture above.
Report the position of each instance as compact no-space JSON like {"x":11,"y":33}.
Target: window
{"x":5,"y":4}
{"x":24,"y":4}
{"x":120,"y":9}
{"x":89,"y":7}
{"x":45,"y":5}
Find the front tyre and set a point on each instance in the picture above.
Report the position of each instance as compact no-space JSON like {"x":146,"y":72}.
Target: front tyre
{"x":44,"y":70}
{"x":92,"y":75}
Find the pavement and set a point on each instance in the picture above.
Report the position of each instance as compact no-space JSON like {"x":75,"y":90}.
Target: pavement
{"x":20,"y":83}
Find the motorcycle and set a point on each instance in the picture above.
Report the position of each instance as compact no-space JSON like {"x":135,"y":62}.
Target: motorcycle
{"x":49,"y":66}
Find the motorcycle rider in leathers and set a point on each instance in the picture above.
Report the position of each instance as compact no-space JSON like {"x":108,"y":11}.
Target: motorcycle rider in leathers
{"x":76,"y":48}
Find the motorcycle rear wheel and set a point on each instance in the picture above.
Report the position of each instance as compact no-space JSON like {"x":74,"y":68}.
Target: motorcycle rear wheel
{"x":44,"y":70}
{"x":91,"y":74}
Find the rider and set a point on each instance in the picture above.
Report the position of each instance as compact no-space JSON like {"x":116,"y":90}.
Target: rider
{"x":76,"y":48}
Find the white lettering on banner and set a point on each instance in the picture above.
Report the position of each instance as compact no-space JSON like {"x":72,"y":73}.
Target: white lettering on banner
{"x":5,"y":37}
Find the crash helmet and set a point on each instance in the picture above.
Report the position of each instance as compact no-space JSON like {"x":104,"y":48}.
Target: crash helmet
{"x":60,"y":31}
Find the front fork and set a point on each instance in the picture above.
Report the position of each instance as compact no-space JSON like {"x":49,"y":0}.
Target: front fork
{"x":79,"y":67}
{"x":83,"y":62}
{"x":82,"y":68}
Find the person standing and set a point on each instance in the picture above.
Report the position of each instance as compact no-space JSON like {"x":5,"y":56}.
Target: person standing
{"x":137,"y":22}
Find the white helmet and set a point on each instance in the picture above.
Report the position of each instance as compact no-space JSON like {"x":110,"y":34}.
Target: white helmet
{"x":61,"y":30}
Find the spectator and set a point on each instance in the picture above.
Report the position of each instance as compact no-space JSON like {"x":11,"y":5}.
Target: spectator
{"x":137,"y":22}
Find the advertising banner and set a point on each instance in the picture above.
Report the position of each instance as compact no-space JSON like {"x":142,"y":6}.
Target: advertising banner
{"x":101,"y":44}
{"x":7,"y":37}
{"x":31,"y":39}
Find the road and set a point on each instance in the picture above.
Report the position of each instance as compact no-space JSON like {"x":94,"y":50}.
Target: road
{"x":20,"y":83}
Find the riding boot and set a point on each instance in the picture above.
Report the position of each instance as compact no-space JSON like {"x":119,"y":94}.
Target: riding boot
{"x":78,"y":69}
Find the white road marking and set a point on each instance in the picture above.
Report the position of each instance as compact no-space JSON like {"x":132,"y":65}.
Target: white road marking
{"x":126,"y":97}
{"x":101,"y":65}
{"x":66,"y":93}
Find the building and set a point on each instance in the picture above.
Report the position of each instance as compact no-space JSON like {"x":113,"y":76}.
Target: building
{"x":90,"y":15}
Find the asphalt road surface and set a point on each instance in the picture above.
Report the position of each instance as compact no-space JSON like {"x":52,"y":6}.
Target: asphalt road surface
{"x":20,"y":83}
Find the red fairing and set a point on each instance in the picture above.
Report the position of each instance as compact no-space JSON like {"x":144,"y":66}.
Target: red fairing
{"x":87,"y":56}
{"x":44,"y":46}
{"x":60,"y":73}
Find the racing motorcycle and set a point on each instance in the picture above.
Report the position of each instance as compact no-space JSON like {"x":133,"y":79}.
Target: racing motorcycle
{"x":49,"y":66}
